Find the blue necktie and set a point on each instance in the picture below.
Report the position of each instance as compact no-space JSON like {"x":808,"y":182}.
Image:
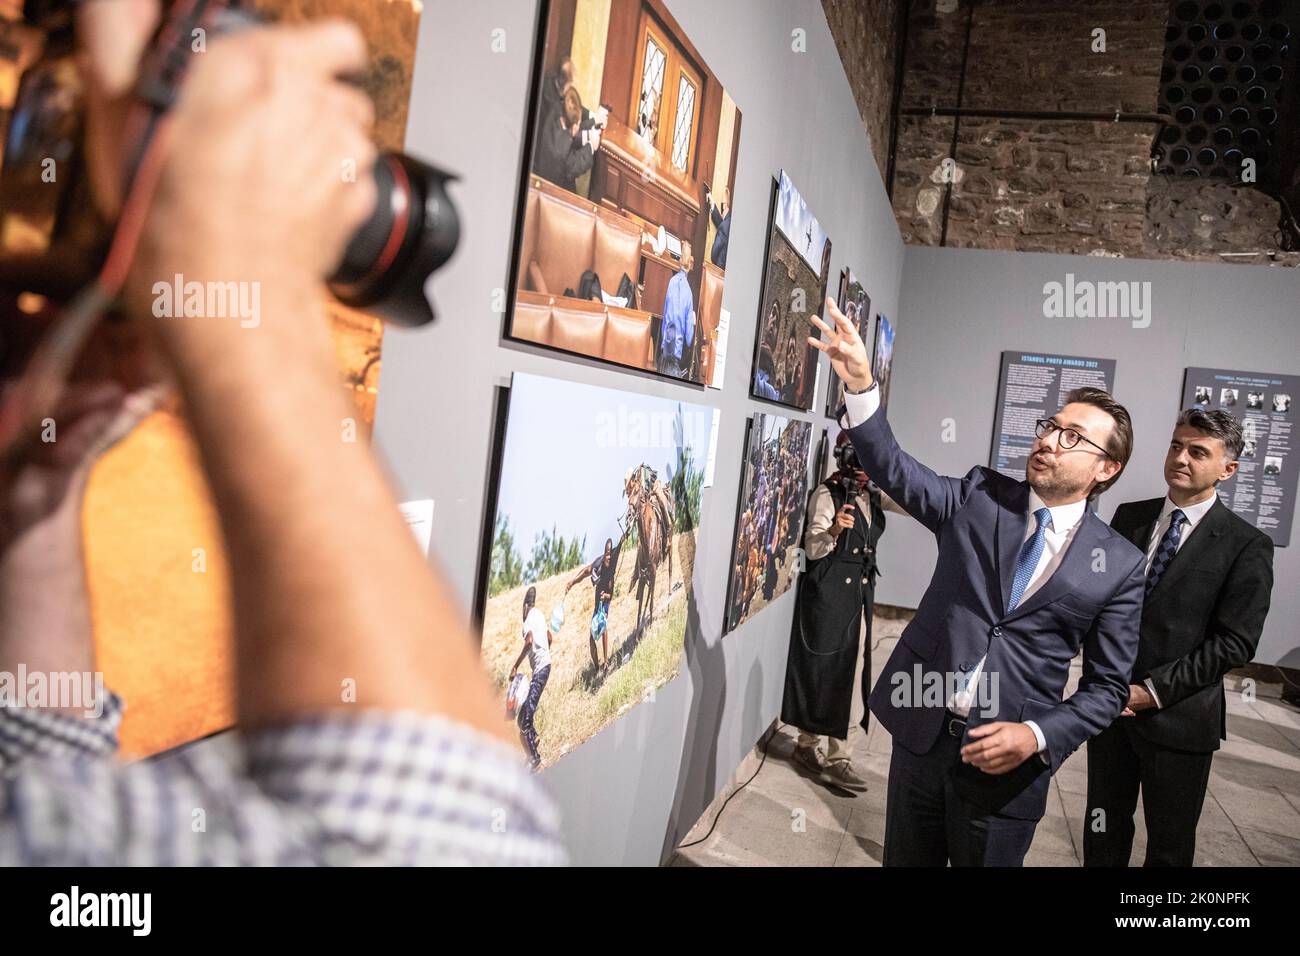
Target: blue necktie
{"x":1030,"y":552}
{"x":1168,"y":548}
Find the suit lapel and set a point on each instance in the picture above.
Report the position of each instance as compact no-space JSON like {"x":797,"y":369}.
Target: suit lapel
{"x":1074,"y":565}
{"x":1203,"y":539}
{"x":1012,"y":524}
{"x":1140,"y":533}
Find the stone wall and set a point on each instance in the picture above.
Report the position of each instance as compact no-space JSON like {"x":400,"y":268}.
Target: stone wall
{"x":865,"y":33}
{"x":1041,"y":185}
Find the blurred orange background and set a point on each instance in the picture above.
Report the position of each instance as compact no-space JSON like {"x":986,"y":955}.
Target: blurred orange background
{"x":160,"y":608}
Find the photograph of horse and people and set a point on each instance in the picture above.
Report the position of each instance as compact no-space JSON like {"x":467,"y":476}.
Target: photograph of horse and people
{"x":595,"y":523}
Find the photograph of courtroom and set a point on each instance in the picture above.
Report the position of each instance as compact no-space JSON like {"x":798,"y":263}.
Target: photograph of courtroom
{"x":626,"y":209}
{"x":656,"y":434}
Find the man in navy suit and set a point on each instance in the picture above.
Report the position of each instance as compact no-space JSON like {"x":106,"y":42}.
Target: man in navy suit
{"x":1026,"y":575}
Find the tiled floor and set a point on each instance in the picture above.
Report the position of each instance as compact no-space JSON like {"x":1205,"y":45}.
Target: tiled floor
{"x":786,"y":818}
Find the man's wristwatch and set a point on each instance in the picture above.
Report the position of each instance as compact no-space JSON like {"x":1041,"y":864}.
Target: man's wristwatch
{"x":874,"y":383}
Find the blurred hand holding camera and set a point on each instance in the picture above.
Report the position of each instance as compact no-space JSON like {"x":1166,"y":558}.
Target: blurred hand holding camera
{"x":268,"y":174}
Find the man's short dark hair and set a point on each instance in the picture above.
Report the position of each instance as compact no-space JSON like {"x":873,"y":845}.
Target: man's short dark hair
{"x":1119,"y":444}
{"x":1216,"y":424}
{"x":530,"y":597}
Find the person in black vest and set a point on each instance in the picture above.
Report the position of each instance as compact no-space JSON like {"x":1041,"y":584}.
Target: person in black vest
{"x":846,"y":517}
{"x":1209,"y":576}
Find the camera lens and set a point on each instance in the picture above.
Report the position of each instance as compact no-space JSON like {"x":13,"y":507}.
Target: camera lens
{"x":411,"y":232}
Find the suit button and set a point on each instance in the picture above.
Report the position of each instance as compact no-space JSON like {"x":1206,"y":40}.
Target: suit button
{"x":963,"y":667}
{"x":856,"y":550}
{"x":997,"y":632}
{"x":864,"y":580}
{"x":848,"y":580}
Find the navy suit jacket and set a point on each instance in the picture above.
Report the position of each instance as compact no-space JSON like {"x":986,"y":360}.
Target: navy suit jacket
{"x":1093,"y":601}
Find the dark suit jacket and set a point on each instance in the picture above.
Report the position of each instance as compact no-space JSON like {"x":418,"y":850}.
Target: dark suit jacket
{"x":721,"y":238}
{"x":1093,"y":601}
{"x":560,"y":156}
{"x":1201,"y":620}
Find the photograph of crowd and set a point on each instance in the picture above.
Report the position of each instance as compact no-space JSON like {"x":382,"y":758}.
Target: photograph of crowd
{"x":769,"y":522}
{"x":624,"y":213}
{"x":856,"y":306}
{"x":794,"y":287}
{"x":589,"y":555}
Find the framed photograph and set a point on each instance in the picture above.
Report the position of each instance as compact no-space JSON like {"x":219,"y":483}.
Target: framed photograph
{"x":769,"y":516}
{"x":794,"y":286}
{"x":589,"y":548}
{"x":856,"y":306}
{"x":624,"y":210}
{"x":882,"y":358}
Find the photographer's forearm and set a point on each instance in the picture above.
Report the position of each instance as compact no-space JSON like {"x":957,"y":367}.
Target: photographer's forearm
{"x":329,"y":585}
{"x":44,"y":610}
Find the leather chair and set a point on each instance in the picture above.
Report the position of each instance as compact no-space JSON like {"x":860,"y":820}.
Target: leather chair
{"x":532,"y":318}
{"x":578,"y":326}
{"x":565,"y":245}
{"x":618,"y":250}
{"x":627,"y":337}
{"x":563,"y":236}
{"x":710,"y":316}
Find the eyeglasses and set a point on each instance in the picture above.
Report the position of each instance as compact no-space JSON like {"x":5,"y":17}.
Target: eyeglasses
{"x":1069,"y":437}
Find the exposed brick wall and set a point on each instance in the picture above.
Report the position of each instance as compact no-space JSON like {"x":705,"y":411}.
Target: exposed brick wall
{"x":1059,"y":187}
{"x":865,"y":33}
{"x":1076,"y":187}
{"x":1042,"y":185}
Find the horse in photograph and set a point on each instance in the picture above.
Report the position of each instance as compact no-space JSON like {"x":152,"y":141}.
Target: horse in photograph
{"x":650,"y":507}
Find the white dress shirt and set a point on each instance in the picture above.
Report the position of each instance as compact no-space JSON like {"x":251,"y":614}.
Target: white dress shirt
{"x":1192,"y":515}
{"x":1065,"y":522}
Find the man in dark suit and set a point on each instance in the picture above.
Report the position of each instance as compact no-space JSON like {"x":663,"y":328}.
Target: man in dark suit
{"x":1208,"y":578}
{"x":1026,"y":576}
{"x":721,"y":219}
{"x":564,"y":150}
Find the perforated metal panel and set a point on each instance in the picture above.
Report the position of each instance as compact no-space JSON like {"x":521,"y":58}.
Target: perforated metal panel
{"x":1227,"y":72}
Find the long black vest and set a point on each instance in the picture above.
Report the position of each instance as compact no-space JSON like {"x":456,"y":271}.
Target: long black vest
{"x":827,"y":628}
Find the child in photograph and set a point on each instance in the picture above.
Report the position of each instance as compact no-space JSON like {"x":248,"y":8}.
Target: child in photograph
{"x":537,"y":648}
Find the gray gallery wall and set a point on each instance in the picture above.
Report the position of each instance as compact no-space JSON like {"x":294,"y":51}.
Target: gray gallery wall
{"x":635,"y":788}
{"x":961,"y":308}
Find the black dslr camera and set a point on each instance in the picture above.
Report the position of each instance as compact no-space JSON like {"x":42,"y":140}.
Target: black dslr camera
{"x":53,"y":241}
